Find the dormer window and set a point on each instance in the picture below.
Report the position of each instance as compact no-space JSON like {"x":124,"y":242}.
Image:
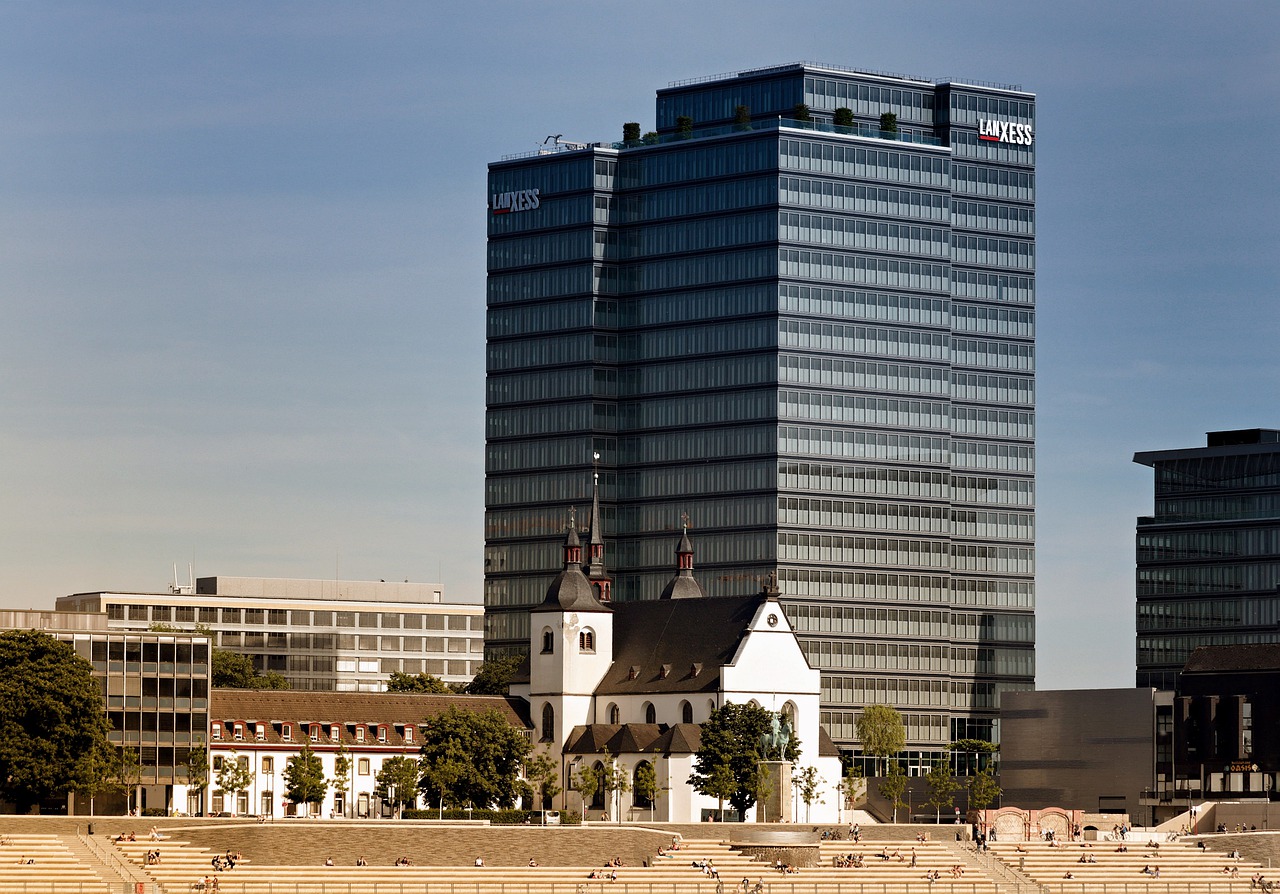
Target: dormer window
{"x":359,"y":733}
{"x":695,"y":669}
{"x":315,"y":732}
{"x":335,"y":732}
{"x":382,"y":735}
{"x":217,"y":732}
{"x":408,"y":735}
{"x":286,"y":732}
{"x":260,"y":732}
{"x":633,"y":673}
{"x":664,"y":672}
{"x":239,"y":732}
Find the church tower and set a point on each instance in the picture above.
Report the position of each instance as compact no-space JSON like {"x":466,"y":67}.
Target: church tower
{"x":601,"y":582}
{"x":570,"y":649}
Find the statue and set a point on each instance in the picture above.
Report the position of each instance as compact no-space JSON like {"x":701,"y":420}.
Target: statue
{"x":773,"y":742}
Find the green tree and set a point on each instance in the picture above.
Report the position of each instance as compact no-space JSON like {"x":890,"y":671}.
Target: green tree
{"x":493,"y":677}
{"x":53,"y":729}
{"x":126,"y":775}
{"x":684,"y":126}
{"x":730,"y":749}
{"x":646,"y":785}
{"x":544,"y":779}
{"x":971,"y":753}
{"x":631,"y":132}
{"x":881,"y":732}
{"x":843,"y":117}
{"x":893,"y":787}
{"x":234,"y":777}
{"x":801,"y":112}
{"x":809,"y":785}
{"x":942,"y":787}
{"x":614,"y":778}
{"x":471,"y":758}
{"x":889,"y":123}
{"x":851,"y":785}
{"x":231,"y":670}
{"x":196,"y":764}
{"x":764,"y":788}
{"x":983,"y":790}
{"x":587,"y":781}
{"x":742,"y":117}
{"x":342,"y":774}
{"x":304,"y":781}
{"x":397,"y":782}
{"x":423,"y":683}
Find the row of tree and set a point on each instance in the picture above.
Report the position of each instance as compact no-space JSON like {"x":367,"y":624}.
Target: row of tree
{"x":883,"y":736}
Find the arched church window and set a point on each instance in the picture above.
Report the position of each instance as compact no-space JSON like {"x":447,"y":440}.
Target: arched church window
{"x":686,"y":712}
{"x":615,"y":716}
{"x":587,"y":641}
{"x":650,"y":713}
{"x":548,"y":723}
{"x":548,"y":641}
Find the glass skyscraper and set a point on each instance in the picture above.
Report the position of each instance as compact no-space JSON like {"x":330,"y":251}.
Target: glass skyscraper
{"x":799,"y":313}
{"x":1209,"y":558}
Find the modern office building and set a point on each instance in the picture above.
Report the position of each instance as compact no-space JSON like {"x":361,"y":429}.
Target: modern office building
{"x":1209,"y":557}
{"x":155,"y":688}
{"x":319,"y":634}
{"x":799,"y":313}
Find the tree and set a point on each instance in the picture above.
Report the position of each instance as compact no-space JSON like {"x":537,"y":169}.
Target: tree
{"x":631,"y":132}
{"x":422,"y":683}
{"x":983,"y":790}
{"x":809,"y":784}
{"x":843,"y":117}
{"x":646,"y":786}
{"x":304,"y":781}
{"x":893,"y":787}
{"x":397,"y":782}
{"x":493,"y":677}
{"x":544,"y":778}
{"x":231,"y":670}
{"x":234,"y":777}
{"x":889,"y":122}
{"x":742,"y":117}
{"x":587,"y":782}
{"x":53,"y":729}
{"x":684,"y":126}
{"x":851,"y":785}
{"x":197,"y":767}
{"x":727,"y":765}
{"x":614,"y":778}
{"x":801,"y":112}
{"x":942,"y":788}
{"x":764,"y":788}
{"x":881,"y":732}
{"x":471,"y":758}
{"x":342,"y":774}
{"x":126,"y":775}
{"x":970,"y":752}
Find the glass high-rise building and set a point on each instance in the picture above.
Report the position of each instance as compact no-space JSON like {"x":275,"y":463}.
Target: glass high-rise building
{"x":799,"y":313}
{"x":1209,"y":558}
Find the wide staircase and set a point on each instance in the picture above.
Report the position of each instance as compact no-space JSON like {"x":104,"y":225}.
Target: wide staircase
{"x":1112,"y":867}
{"x":45,"y":864}
{"x":697,"y":866}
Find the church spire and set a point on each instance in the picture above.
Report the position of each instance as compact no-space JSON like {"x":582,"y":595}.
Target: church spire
{"x":596,"y":572}
{"x":684,"y":585}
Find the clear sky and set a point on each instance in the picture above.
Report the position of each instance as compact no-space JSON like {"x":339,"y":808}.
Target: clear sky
{"x":242,"y":264}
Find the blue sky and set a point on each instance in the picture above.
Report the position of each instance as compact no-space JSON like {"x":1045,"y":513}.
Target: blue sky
{"x":242,"y":264}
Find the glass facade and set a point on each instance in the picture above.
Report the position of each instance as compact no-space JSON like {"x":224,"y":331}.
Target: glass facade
{"x":814,"y":339}
{"x":1208,"y":560}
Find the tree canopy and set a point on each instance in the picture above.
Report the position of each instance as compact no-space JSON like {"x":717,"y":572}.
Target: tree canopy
{"x":53,"y":729}
{"x":471,"y":758}
{"x":494,"y":676}
{"x":881,"y":731}
{"x":423,"y":683}
{"x":304,"y":780}
{"x":231,"y":670}
{"x":397,"y":781}
{"x":942,"y":787}
{"x":727,"y":765}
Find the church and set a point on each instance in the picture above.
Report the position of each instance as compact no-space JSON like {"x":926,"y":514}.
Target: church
{"x":630,"y":682}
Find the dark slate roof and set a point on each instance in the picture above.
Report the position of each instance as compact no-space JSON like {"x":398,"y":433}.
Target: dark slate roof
{"x":826,"y":747}
{"x":634,"y":738}
{"x":675,"y":645}
{"x":274,"y":707}
{"x":1220,"y":659}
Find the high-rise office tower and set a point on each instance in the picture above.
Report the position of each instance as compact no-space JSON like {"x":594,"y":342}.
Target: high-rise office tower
{"x":1209,"y":558}
{"x":800,"y":314}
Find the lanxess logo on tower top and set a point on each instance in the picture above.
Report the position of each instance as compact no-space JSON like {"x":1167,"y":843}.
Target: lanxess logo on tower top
{"x":1004,"y":132}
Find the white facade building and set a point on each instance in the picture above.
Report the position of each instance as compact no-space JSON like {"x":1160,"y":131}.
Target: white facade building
{"x":631,"y":682}
{"x":318,"y":634}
